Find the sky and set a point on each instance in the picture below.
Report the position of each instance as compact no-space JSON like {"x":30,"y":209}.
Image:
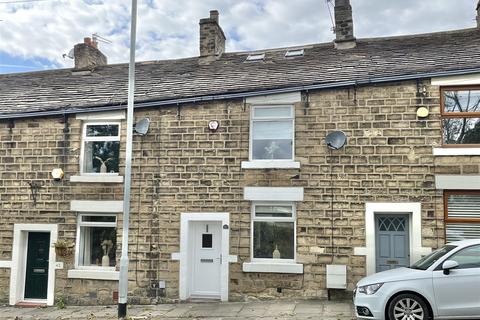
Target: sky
{"x":34,"y":34}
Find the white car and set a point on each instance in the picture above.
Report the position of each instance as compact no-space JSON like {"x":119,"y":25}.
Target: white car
{"x":442,"y":285}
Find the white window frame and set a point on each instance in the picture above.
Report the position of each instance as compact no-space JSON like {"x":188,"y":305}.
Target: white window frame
{"x":80,"y":224}
{"x":293,"y":219}
{"x":102,"y":138}
{"x":270,"y":119}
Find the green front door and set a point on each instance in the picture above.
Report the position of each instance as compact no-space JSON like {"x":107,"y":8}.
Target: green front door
{"x":36,"y":278}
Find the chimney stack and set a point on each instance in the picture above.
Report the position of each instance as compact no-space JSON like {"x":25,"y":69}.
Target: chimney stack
{"x":478,"y":14}
{"x":212,"y":38}
{"x":87,"y":55}
{"x":344,"y":25}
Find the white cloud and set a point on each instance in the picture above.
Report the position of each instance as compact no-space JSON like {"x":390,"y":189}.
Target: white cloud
{"x":169,"y":28}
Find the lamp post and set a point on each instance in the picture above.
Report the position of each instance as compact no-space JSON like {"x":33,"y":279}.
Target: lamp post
{"x":123,"y":280}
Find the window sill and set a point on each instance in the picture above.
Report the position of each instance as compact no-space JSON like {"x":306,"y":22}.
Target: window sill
{"x":97,"y":178}
{"x":456,"y":151}
{"x":270,"y":164}
{"x":93,"y":274}
{"x":273,"y":267}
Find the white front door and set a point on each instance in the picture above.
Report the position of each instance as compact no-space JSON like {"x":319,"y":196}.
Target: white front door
{"x":207,"y":258}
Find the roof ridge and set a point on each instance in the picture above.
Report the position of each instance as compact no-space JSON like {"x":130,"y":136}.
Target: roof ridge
{"x":419,"y":35}
{"x":265,"y":50}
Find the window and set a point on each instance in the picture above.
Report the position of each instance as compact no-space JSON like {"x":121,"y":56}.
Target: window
{"x":101,"y":148}
{"x":428,"y":260}
{"x":461,"y":116}
{"x":207,"y":241}
{"x":462,"y":215}
{"x":467,"y":258}
{"x":294,"y":53}
{"x":272,"y":129}
{"x":273,"y":231}
{"x":96,"y":241}
{"x":256,"y":57}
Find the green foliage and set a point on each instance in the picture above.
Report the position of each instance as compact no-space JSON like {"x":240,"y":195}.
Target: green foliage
{"x":60,"y":303}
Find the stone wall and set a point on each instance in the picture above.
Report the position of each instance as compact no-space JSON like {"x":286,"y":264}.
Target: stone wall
{"x":180,"y":166}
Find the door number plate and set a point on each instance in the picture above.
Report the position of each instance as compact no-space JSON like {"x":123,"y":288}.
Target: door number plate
{"x":206,"y":260}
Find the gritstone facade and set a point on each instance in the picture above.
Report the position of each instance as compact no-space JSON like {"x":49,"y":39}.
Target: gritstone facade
{"x":236,"y":191}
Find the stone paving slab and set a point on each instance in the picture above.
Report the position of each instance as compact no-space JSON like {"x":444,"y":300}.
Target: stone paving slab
{"x":270,"y":310}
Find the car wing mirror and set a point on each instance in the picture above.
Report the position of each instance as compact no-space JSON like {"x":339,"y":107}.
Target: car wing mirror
{"x":448,"y":265}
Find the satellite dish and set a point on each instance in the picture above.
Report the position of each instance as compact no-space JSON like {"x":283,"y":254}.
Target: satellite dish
{"x":336,"y":140}
{"x":70,"y":54}
{"x":141,"y":127}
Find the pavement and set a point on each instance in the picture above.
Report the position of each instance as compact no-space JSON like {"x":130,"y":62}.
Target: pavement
{"x":266,"y":310}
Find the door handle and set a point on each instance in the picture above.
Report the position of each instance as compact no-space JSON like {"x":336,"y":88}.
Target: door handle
{"x":221,"y":258}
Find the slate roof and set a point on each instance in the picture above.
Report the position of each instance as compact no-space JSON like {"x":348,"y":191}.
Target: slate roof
{"x":172,"y":79}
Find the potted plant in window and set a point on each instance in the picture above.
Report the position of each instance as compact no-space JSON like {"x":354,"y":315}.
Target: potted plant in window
{"x":103,"y":167}
{"x":63,"y":248}
{"x":106,"y":246}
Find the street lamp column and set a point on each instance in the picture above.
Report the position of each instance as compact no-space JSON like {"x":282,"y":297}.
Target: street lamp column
{"x":123,"y":281}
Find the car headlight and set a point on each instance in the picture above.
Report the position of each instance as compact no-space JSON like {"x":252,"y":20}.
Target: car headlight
{"x":370,"y":289}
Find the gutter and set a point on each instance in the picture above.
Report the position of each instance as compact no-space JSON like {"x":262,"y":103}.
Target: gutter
{"x":330,"y":85}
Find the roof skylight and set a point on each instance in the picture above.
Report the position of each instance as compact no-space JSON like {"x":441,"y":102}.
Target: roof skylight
{"x":294,"y":53}
{"x":256,"y":57}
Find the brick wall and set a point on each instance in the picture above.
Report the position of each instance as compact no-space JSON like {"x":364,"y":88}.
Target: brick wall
{"x":180,"y":166}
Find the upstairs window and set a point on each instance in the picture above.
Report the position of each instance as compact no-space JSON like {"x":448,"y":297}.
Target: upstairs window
{"x":462,"y":215}
{"x":272,"y":133}
{"x":273,"y":231}
{"x":461,"y":116}
{"x":101,"y":148}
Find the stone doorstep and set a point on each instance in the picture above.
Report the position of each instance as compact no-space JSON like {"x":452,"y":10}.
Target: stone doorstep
{"x":26,"y":304}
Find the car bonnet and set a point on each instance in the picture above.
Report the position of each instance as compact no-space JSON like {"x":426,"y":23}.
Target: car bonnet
{"x":400,"y":274}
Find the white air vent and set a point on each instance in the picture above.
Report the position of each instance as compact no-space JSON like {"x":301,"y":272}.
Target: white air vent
{"x":336,"y":276}
{"x":294,"y":53}
{"x":256,"y":57}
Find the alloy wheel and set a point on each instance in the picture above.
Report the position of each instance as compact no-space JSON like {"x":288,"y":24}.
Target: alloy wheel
{"x":408,"y":309}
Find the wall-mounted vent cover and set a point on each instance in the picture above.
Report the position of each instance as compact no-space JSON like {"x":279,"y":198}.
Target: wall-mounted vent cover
{"x":256,"y":57}
{"x":336,"y":276}
{"x":294,"y":53}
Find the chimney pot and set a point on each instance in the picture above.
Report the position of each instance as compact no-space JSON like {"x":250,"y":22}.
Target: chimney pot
{"x":212,"y":38}
{"x":344,"y":38}
{"x":214,"y":15}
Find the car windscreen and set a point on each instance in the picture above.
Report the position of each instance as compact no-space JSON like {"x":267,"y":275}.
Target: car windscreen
{"x":428,"y":260}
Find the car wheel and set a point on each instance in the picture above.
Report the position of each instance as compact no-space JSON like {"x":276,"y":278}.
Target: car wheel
{"x":408,"y":306}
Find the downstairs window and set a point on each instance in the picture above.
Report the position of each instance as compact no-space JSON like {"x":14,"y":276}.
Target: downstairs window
{"x":462,"y":215}
{"x":273,"y":232}
{"x":96,"y":241}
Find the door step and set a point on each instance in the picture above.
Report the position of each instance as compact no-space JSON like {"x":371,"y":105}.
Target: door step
{"x":26,"y":304}
{"x":202,"y":299}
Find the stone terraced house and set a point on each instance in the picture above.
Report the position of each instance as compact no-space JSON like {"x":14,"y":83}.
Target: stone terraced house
{"x":236,"y":192}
